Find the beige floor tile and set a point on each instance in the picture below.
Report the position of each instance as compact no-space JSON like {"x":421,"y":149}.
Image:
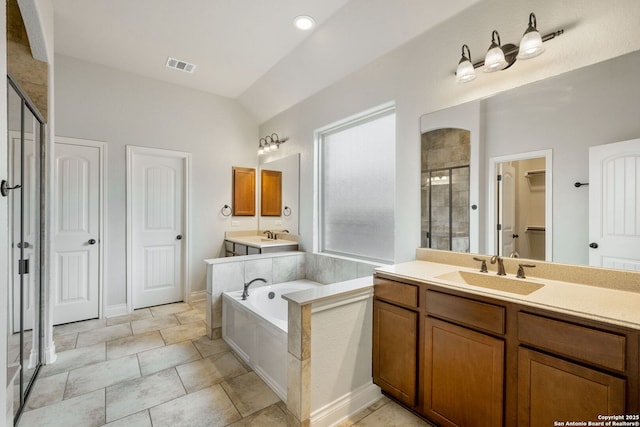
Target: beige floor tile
{"x":47,"y":390}
{"x":107,"y":333}
{"x":134,"y":344}
{"x":208,"y":347}
{"x":184,"y":332}
{"x":190,"y":316}
{"x":139,"y":314}
{"x":249,"y":393}
{"x":86,"y":325}
{"x":199,"y":305}
{"x":86,"y":410}
{"x":379,"y":403}
{"x":75,"y":358}
{"x":129,"y":397}
{"x":141,"y":419}
{"x":209,"y":407}
{"x":161,"y":358}
{"x":164,"y":310}
{"x":207,"y":372}
{"x":354,"y":418}
{"x":65,"y":342}
{"x":153,"y":324}
{"x":101,"y":375}
{"x":272,"y":416}
{"x":392,"y":415}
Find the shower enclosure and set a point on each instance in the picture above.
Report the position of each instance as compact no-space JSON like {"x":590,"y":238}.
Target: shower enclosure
{"x":445,"y":189}
{"x":23,"y":187}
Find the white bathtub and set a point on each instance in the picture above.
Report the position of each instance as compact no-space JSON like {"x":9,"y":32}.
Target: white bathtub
{"x":257,"y":329}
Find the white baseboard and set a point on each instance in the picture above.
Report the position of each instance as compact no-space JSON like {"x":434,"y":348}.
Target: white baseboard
{"x":115,"y":310}
{"x":50,"y":355}
{"x":349,"y":404}
{"x":198,"y":296}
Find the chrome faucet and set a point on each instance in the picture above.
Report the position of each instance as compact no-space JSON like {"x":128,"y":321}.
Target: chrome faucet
{"x":275,"y":235}
{"x":245,"y":291}
{"x":268,"y":233}
{"x":496,"y":259}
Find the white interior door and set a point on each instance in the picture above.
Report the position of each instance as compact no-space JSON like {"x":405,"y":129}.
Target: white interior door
{"x":76,"y":233}
{"x":156,"y":204}
{"x":506,"y":209}
{"x":23,"y":248}
{"x":614,"y":205}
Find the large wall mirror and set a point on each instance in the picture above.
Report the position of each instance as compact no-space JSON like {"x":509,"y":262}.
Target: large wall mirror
{"x":282,"y":214}
{"x":564,"y":117}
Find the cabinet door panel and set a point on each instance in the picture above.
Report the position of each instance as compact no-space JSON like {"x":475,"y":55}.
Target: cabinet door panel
{"x":552,"y":389}
{"x":464,"y":374}
{"x":395,"y":350}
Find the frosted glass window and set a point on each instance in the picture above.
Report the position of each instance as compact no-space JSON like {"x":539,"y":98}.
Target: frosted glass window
{"x":357,"y":184}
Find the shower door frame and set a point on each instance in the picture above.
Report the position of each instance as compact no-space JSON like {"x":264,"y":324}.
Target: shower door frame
{"x":37,"y":268}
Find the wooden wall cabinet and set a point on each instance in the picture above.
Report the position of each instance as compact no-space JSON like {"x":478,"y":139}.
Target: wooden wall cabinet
{"x":244,"y":191}
{"x":270,"y":193}
{"x":479,"y":361}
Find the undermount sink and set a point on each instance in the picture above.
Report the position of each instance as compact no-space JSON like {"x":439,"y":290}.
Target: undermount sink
{"x":492,"y":281}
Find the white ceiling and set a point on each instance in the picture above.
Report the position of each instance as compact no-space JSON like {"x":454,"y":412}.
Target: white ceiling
{"x":248,"y":50}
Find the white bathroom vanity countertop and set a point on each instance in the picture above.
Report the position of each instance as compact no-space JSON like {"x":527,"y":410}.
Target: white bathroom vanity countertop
{"x":256,"y":241}
{"x":615,"y":306}
{"x":332,"y":291}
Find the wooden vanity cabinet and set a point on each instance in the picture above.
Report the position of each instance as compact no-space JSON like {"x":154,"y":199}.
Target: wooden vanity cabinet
{"x":395,"y":339}
{"x":590,"y":383}
{"x":463,"y":365}
{"x":467,"y":360}
{"x":464,"y":376}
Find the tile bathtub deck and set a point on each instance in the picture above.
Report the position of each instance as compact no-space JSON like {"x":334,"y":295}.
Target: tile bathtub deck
{"x":156,"y":367}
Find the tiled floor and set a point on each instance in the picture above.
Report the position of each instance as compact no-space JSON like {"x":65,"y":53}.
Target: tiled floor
{"x":156,"y":367}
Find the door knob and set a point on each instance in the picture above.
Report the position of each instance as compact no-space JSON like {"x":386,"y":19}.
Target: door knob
{"x":23,"y":245}
{"x":92,"y":241}
{"x":515,"y":236}
{"x":179,"y":237}
{"x":593,"y":245}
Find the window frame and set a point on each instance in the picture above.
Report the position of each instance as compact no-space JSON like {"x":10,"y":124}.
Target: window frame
{"x":320,"y":134}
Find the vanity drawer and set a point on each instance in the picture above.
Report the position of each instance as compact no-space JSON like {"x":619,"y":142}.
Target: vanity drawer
{"x":466,"y":311}
{"x":579,"y":342}
{"x":397,"y":292}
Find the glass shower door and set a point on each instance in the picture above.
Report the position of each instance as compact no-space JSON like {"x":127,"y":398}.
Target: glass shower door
{"x":23,"y":190}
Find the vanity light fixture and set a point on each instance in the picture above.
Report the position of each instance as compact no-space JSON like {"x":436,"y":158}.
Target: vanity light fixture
{"x":304,"y":22}
{"x":270,"y":143}
{"x":465,"y":71}
{"x":495,"y":59}
{"x":501,"y":57}
{"x":531,"y":43}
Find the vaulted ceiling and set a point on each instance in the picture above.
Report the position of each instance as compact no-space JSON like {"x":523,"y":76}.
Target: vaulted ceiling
{"x":247,"y":50}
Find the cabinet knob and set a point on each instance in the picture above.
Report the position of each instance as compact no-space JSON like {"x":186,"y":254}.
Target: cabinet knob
{"x":179,"y":237}
{"x":92,"y":241}
{"x":593,"y":245}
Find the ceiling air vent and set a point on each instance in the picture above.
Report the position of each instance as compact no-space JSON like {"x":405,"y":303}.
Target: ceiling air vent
{"x":180,"y":65}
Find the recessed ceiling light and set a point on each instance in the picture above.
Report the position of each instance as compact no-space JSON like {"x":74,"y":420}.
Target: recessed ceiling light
{"x":304,"y":22}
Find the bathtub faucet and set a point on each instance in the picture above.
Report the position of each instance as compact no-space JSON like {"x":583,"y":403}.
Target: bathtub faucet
{"x":245,"y":292}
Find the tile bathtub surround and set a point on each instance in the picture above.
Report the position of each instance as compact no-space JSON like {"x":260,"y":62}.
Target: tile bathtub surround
{"x":146,"y":381}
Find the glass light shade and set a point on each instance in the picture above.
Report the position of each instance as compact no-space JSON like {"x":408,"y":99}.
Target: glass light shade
{"x":465,"y":72}
{"x":530,"y":45}
{"x":494,"y":61}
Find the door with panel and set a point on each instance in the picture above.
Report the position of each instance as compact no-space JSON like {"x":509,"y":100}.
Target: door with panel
{"x":76,"y":233}
{"x":614,"y":205}
{"x":156,"y":211}
{"x":506,"y":209}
